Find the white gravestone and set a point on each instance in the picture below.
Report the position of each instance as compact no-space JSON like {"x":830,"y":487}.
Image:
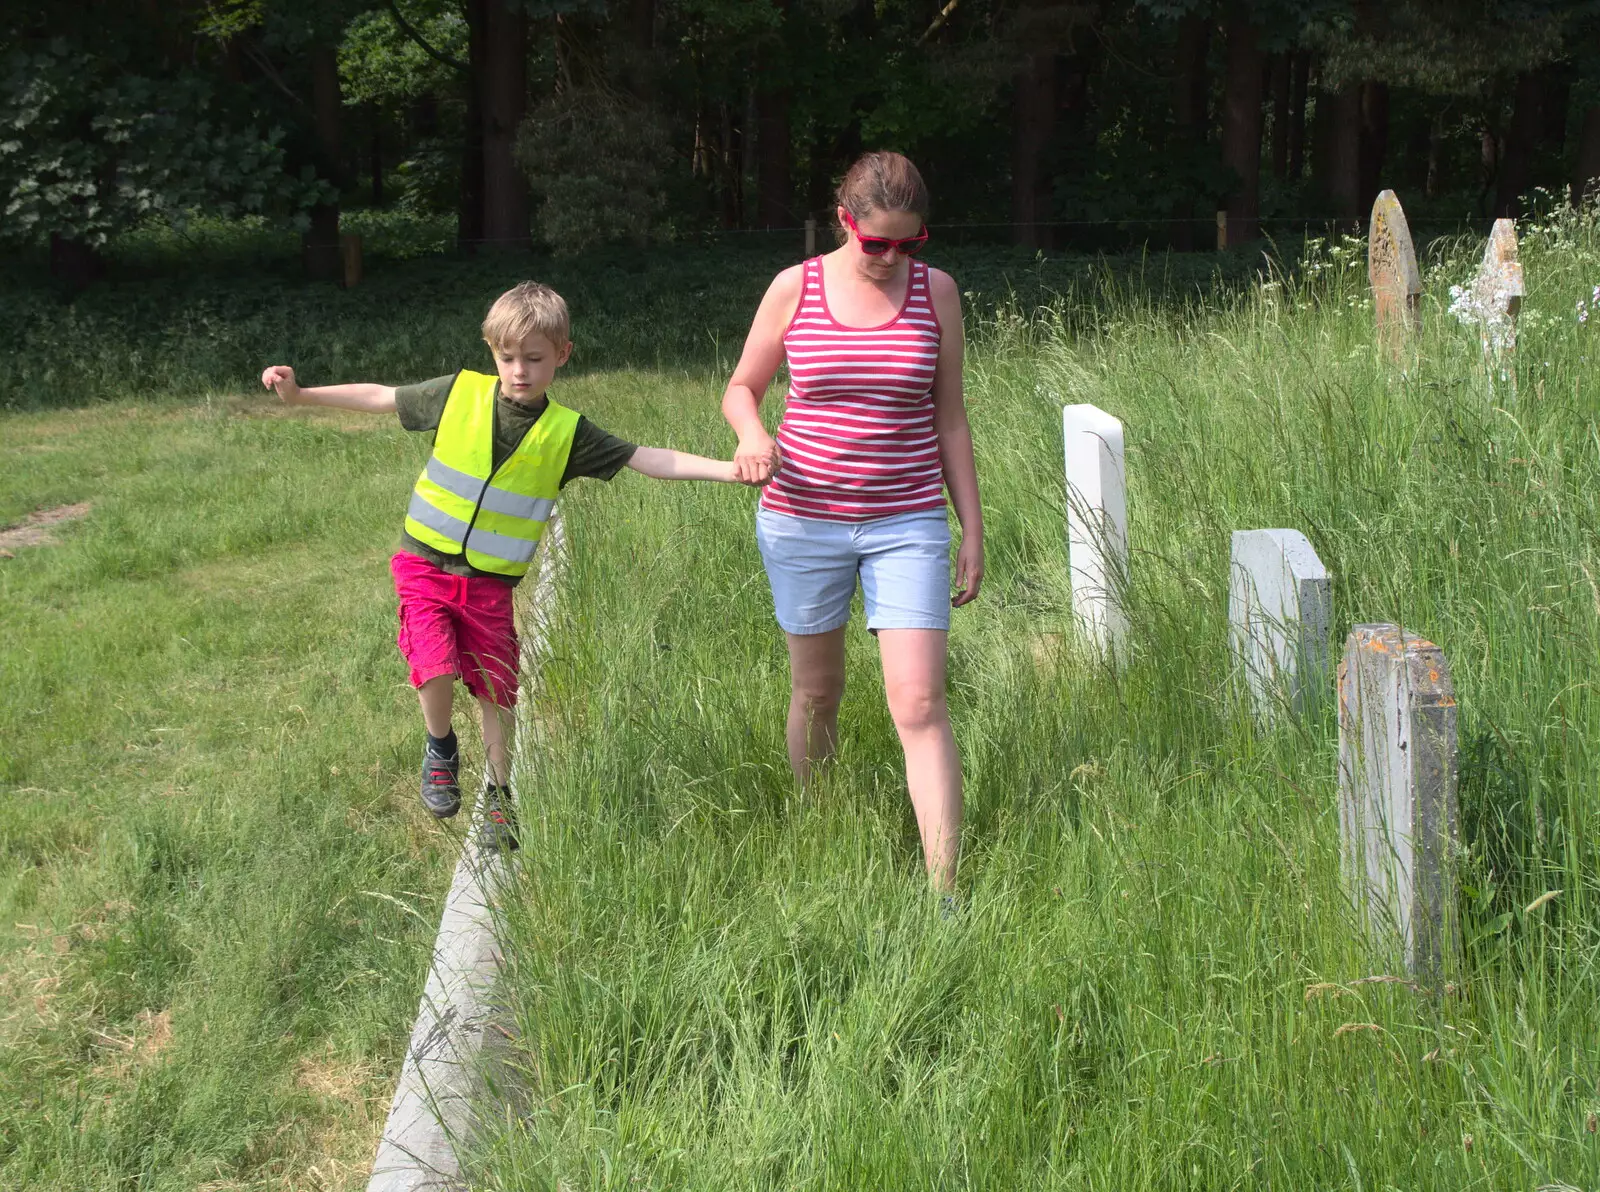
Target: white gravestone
{"x":1398,"y":814}
{"x":1097,"y":522}
{"x":1280,"y":604}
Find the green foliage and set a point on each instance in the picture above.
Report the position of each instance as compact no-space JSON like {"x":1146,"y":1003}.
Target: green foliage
{"x":1443,"y":48}
{"x":88,"y":148}
{"x":596,"y":160}
{"x":380,"y":64}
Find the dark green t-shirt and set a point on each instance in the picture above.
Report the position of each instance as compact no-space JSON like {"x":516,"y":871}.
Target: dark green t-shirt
{"x":594,"y":452}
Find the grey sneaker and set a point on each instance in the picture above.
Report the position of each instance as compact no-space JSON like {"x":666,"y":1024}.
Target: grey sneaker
{"x":441,"y":789}
{"x":498,"y":831}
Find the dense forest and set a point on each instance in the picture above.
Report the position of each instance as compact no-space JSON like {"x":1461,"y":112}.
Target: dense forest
{"x":566,"y":123}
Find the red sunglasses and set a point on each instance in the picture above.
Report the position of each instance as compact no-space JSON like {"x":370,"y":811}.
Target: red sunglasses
{"x":876,"y":246}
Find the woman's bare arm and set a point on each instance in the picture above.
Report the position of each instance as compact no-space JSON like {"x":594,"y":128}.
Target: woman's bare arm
{"x":757,"y":458}
{"x":955,"y":437}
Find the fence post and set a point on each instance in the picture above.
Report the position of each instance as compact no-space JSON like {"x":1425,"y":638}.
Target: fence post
{"x":1222,"y":230}
{"x":811,"y":238}
{"x":350,"y":255}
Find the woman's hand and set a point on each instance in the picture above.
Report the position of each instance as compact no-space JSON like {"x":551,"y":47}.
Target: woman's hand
{"x":757,"y":458}
{"x":969,"y":570}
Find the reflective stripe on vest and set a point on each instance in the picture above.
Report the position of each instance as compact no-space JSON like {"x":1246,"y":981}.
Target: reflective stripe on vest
{"x":463,"y":505}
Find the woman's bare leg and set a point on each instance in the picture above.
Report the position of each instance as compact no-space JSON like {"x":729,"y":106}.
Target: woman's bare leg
{"x":913,"y":679}
{"x":816,"y":685}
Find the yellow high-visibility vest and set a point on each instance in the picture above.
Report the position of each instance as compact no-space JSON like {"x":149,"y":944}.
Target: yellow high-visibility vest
{"x":463,"y":505}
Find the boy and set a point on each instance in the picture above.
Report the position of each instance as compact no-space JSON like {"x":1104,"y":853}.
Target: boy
{"x":502,"y":451}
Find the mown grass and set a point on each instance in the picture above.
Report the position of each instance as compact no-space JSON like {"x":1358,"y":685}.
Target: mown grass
{"x":218,"y":894}
{"x":721,"y":982}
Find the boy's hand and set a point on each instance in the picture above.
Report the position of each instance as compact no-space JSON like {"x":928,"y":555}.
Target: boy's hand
{"x":280,"y":377}
{"x":757,"y":458}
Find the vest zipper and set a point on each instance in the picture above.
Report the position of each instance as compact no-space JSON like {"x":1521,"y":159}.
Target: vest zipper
{"x":493,"y":472}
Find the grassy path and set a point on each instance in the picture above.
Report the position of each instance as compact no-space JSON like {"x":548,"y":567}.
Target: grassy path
{"x":217,"y":893}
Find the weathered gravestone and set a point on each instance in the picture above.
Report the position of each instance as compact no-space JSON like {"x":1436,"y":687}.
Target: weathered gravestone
{"x":1392,"y":272}
{"x":1280,"y":603}
{"x":1496,"y":295}
{"x":1397,"y":792}
{"x":1097,"y":522}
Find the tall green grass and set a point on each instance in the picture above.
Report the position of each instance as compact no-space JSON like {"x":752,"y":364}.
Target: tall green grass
{"x":722,"y":982}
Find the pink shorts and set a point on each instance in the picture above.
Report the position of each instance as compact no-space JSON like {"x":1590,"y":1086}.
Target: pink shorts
{"x":456,"y":625}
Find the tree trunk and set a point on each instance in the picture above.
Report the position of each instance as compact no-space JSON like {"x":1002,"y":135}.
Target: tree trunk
{"x":504,"y":81}
{"x":1587,"y":184}
{"x":1339,"y":151}
{"x":1282,"y":65}
{"x":1190,"y":89}
{"x":774,"y":177}
{"x":1034,"y":125}
{"x":728,"y":158}
{"x":1374,"y":139}
{"x":320,"y":244}
{"x":375,"y":154}
{"x":772,"y":160}
{"x":636,"y":65}
{"x":1435,"y":155}
{"x":469,"y":210}
{"x":1241,"y":130}
{"x":74,"y":263}
{"x":1554,"y":110}
{"x":1516,"y":162}
{"x":1299,"y":80}
{"x":749,"y":148}
{"x":642,"y":24}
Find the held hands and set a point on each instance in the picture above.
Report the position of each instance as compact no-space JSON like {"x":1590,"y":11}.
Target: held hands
{"x":757,"y":459}
{"x":280,"y":378}
{"x":969,"y":570}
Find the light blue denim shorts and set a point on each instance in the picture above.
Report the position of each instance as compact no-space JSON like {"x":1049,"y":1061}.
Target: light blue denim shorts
{"x":903,"y":562}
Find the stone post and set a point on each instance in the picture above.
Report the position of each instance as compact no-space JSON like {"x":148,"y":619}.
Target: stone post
{"x":1097,"y":522}
{"x":1280,"y":604}
{"x":1397,"y":793}
{"x":1496,"y":298}
{"x":1392,"y":271}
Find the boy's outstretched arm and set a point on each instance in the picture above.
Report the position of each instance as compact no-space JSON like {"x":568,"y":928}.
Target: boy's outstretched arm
{"x":664,"y":464}
{"x":372,"y":399}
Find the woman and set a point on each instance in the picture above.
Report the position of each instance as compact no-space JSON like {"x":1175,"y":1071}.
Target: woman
{"x":874,"y":429}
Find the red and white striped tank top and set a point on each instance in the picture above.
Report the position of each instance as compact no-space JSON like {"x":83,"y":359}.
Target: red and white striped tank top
{"x":857,"y":431}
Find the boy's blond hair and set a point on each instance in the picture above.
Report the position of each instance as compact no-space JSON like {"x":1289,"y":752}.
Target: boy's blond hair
{"x":529,"y":309}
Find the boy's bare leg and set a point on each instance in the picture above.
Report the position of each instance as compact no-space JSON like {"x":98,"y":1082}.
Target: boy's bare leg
{"x":816,"y":685}
{"x":913,"y":679}
{"x":437,"y":696}
{"x":498,"y":725}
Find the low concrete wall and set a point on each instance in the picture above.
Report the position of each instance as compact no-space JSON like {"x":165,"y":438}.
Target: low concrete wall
{"x":458,"y":1027}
